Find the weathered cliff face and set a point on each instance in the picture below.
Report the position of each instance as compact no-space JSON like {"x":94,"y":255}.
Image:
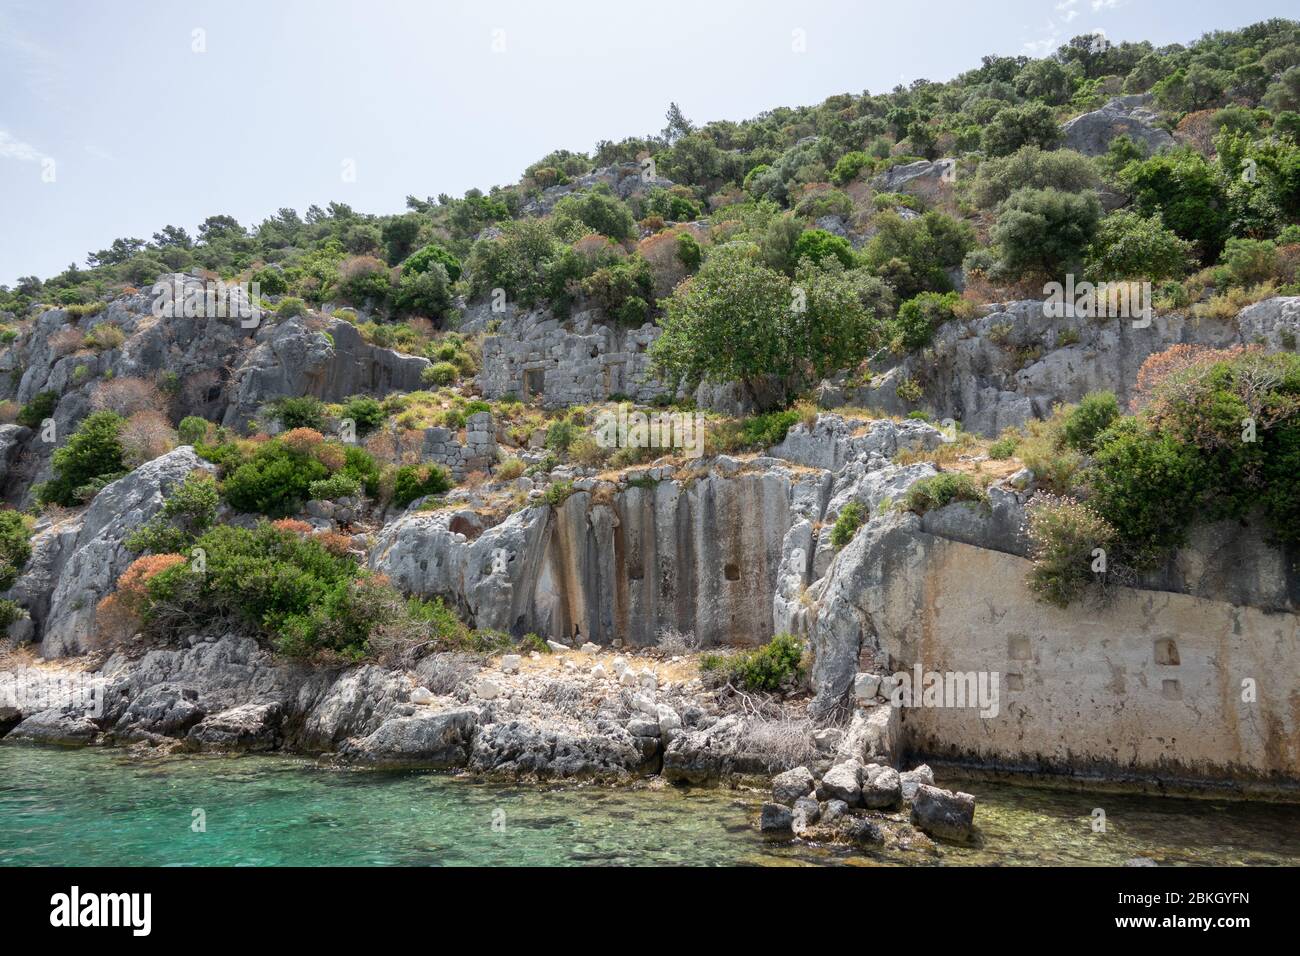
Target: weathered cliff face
{"x":1092,"y":133}
{"x":1013,"y":364}
{"x":699,"y":557}
{"x":219,"y":370}
{"x":722,"y":552}
{"x":76,"y":561}
{"x":331,"y":364}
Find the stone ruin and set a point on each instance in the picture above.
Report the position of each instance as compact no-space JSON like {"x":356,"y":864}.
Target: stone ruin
{"x":535,"y":356}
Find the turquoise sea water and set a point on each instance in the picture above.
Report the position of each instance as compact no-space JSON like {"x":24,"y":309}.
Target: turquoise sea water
{"x":105,"y":807}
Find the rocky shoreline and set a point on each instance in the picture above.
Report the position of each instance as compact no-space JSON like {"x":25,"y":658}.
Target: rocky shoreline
{"x":574,"y":715}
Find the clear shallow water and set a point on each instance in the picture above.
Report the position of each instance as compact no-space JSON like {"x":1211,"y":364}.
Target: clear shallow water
{"x":103,"y":807}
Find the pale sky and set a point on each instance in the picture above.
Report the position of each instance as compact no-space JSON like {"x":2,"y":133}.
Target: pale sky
{"x":143,"y":130}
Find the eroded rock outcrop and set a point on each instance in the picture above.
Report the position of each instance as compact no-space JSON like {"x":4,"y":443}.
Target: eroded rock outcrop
{"x":1013,"y":364}
{"x":1092,"y":133}
{"x":76,"y":561}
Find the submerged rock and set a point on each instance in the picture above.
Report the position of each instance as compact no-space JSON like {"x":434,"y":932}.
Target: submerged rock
{"x":944,"y":814}
{"x":775,"y":818}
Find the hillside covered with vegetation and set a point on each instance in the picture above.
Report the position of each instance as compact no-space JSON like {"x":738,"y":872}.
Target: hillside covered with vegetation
{"x":796,"y":202}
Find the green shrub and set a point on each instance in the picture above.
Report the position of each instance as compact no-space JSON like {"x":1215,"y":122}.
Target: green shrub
{"x":689,"y":251}
{"x":15,"y":546}
{"x":10,"y":612}
{"x":849,"y":166}
{"x":533,"y":642}
{"x":560,"y":434}
{"x":940,"y":490}
{"x":818,"y":244}
{"x":361,"y":466}
{"x":1130,"y":246}
{"x":367,"y":413}
{"x":334,"y":487}
{"x":600,"y":211}
{"x":1033,"y":168}
{"x":426,"y":293}
{"x":425,"y":257}
{"x":192,"y":430}
{"x":1004,"y":448}
{"x":364,"y":279}
{"x":439,"y":374}
{"x":92,"y":457}
{"x":764,"y":431}
{"x":914,"y":255}
{"x":187,"y":512}
{"x":776,"y":663}
{"x":1044,"y":231}
{"x":271,"y":281}
{"x":918,"y":317}
{"x":1085,"y":421}
{"x":305,"y":412}
{"x":418,"y":481}
{"x":1247,"y":262}
{"x":1064,"y":535}
{"x":1187,"y":192}
{"x":558,"y":493}
{"x":1147,"y":484}
{"x":1031,"y":124}
{"x":38,"y":409}
{"x":274,"y":481}
{"x":846,"y":525}
{"x":290,"y":307}
{"x":302,"y":597}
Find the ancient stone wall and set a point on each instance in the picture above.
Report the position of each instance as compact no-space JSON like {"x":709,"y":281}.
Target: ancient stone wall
{"x":578,"y":361}
{"x":1154,"y":683}
{"x":478,"y":452}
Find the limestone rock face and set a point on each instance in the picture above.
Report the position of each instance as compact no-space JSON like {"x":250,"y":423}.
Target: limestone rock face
{"x":702,"y":559}
{"x":78,"y":562}
{"x":226,"y":367}
{"x":56,"y":727}
{"x":245,"y":728}
{"x":1092,"y":133}
{"x":163,"y":709}
{"x":293,"y":360}
{"x":917,"y":176}
{"x":703,"y":757}
{"x":1014,"y":363}
{"x":525,"y":749}
{"x":871,"y":585}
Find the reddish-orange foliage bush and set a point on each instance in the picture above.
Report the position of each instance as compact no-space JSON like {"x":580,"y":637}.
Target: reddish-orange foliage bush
{"x":335,"y":543}
{"x":292,"y":525}
{"x":359,"y":266}
{"x":660,"y":252}
{"x":133,"y":581}
{"x":331,"y":455}
{"x":114,"y":621}
{"x":1176,"y":359}
{"x":302,"y":440}
{"x":597,"y":248}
